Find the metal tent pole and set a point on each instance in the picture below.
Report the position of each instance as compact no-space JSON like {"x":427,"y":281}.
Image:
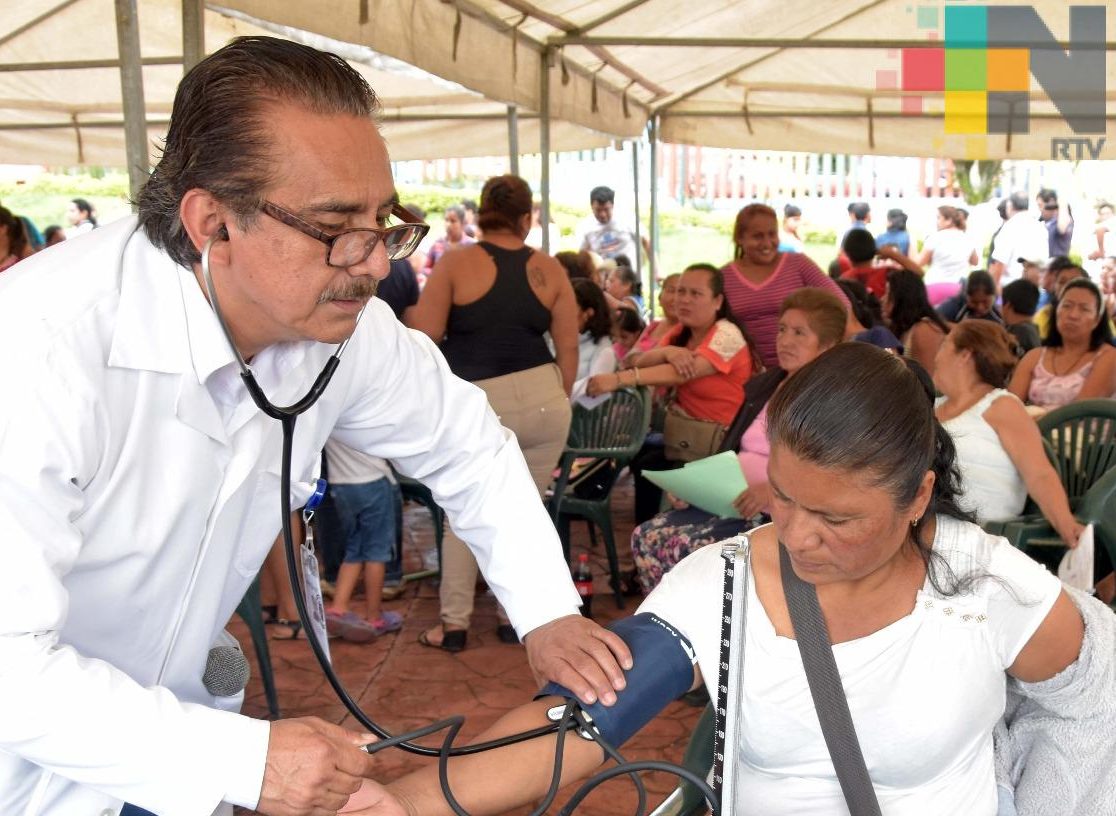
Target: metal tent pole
{"x":635,"y":195}
{"x":193,"y":33}
{"x":544,"y":149}
{"x":131,"y":88}
{"x":653,"y":227}
{"x":513,"y":140}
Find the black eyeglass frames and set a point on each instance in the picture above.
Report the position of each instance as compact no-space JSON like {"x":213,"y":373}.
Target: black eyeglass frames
{"x":353,"y":246}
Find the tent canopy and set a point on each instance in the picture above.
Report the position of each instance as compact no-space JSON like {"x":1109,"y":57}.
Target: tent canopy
{"x":763,"y":74}
{"x":61,"y":100}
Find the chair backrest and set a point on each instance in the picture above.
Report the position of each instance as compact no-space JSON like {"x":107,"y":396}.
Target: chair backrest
{"x":1083,"y":436}
{"x":615,"y":429}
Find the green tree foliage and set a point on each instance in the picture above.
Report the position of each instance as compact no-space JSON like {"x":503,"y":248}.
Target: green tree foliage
{"x":988,"y":176}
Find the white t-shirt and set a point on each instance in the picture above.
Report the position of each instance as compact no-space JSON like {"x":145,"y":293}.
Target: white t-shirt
{"x":1022,"y":236}
{"x":348,"y":466}
{"x":607,"y":240}
{"x":992,"y":487}
{"x":951,"y":251}
{"x":924,"y":692}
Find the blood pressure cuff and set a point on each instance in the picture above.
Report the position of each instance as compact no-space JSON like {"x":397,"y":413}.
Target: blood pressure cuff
{"x":662,"y":670}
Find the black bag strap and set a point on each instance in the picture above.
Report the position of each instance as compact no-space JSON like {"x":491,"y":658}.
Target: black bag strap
{"x":826,"y":689}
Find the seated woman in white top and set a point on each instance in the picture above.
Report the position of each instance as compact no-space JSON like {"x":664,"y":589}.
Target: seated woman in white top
{"x":929,"y":615}
{"x":999,"y":448}
{"x":595,"y":354}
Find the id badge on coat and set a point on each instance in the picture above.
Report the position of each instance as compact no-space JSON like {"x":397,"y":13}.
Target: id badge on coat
{"x":311,"y":582}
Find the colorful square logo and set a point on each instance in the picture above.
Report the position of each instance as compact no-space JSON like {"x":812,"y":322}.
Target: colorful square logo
{"x":982,"y":61}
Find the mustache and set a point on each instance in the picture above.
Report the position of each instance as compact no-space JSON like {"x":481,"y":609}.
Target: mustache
{"x":357,"y":289}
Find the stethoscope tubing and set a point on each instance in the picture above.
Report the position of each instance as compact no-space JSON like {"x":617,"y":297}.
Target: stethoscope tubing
{"x":571,"y":718}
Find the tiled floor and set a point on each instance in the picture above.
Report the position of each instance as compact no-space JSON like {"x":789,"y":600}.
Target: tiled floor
{"x":403,"y":684}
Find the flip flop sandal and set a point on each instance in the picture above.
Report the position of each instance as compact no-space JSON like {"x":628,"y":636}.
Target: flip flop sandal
{"x":387,"y":622}
{"x":350,"y":627}
{"x":295,"y":627}
{"x":452,"y":641}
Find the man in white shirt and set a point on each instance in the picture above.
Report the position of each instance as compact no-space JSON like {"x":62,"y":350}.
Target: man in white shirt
{"x":1022,"y":236}
{"x":601,"y":233}
{"x":139,"y":482}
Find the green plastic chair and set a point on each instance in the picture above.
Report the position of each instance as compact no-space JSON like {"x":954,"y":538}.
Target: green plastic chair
{"x":1082,"y":436}
{"x":686,"y":800}
{"x":613,"y":431}
{"x":252,"y":614}
{"x":418,"y":492}
{"x":1098,"y":507}
{"x":1031,"y":509}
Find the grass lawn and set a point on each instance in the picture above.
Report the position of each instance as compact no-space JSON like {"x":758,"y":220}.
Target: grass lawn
{"x":686,"y":237}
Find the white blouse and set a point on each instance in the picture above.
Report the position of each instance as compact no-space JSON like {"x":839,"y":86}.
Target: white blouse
{"x":991,"y":485}
{"x":924,"y":692}
{"x":593,"y":357}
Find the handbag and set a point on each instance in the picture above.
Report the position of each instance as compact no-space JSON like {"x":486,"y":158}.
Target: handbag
{"x":828,"y":693}
{"x":686,"y":438}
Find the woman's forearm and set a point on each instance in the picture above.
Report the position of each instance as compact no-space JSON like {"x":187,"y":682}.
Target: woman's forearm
{"x":658,"y":375}
{"x":496,"y":781}
{"x":566,"y":359}
{"x":651,"y":357}
{"x":1048,"y":492}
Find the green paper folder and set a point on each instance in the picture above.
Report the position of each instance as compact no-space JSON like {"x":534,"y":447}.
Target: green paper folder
{"x":711,"y":483}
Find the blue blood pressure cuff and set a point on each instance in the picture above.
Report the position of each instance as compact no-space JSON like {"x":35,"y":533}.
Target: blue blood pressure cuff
{"x":662,"y":670}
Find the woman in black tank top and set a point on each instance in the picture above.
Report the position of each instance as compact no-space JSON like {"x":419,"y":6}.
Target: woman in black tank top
{"x":489,"y":307}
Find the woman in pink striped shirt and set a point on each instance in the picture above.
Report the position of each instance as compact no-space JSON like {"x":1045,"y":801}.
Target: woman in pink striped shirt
{"x":760,"y":277}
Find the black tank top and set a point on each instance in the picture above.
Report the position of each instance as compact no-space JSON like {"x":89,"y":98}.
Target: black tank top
{"x":502,"y":331}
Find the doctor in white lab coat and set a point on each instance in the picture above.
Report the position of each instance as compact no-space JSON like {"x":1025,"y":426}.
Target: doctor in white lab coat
{"x":139,"y":482}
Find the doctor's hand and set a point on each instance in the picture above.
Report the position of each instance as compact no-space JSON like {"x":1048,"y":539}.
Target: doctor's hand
{"x":312,"y":767}
{"x":580,"y":655}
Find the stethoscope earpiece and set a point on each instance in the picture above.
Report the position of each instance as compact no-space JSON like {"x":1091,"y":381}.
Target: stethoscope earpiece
{"x":223,"y":233}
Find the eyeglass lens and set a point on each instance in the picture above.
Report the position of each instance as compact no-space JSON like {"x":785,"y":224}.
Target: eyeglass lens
{"x":352,"y":248}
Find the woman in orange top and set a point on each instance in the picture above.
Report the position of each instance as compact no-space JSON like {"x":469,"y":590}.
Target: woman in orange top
{"x":707,"y":357}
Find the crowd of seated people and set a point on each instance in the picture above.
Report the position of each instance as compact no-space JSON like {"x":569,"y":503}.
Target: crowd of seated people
{"x":706,"y":359}
{"x":810,"y":322}
{"x":720,"y":344}
{"x":717,"y":338}
{"x":918,"y":601}
{"x":768,"y":334}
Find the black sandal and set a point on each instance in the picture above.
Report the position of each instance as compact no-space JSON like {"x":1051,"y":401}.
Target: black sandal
{"x":452,"y":641}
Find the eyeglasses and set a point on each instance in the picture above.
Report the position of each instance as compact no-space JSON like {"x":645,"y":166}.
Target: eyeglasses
{"x":353,"y":246}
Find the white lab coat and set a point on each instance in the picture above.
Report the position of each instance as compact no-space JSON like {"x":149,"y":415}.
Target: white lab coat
{"x":139,"y":496}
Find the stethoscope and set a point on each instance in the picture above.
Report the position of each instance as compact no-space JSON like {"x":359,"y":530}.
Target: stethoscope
{"x":563,"y":718}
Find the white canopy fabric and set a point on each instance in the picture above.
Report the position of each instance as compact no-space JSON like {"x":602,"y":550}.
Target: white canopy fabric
{"x":74,"y":115}
{"x":795,"y":74}
{"x":787,"y":90}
